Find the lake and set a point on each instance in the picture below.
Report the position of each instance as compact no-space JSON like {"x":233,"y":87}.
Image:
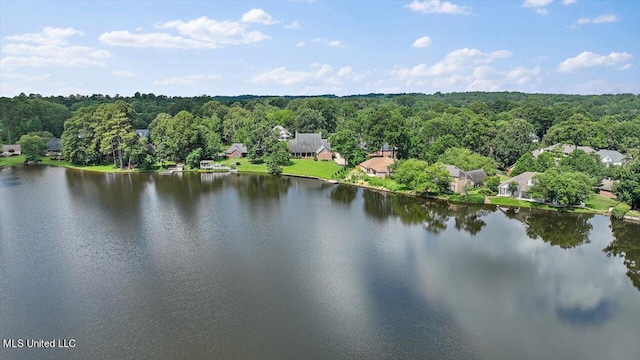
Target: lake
{"x":134,"y":266}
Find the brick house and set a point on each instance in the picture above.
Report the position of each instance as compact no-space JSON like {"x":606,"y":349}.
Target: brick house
{"x":309,"y":146}
{"x":236,"y":151}
{"x":377,"y":166}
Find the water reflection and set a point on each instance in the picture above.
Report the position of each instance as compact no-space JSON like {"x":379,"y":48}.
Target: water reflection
{"x":344,"y":194}
{"x":257,"y":187}
{"x":626,"y":244}
{"x":469,"y":218}
{"x":566,"y":230}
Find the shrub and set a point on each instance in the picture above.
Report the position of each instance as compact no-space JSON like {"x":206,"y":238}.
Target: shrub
{"x":486,"y":191}
{"x":467,"y":199}
{"x":620,"y":210}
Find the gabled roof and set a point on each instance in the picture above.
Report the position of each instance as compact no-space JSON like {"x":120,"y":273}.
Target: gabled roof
{"x":282,"y":131}
{"x":522,"y":180}
{"x":612,"y":155}
{"x":54,"y":144}
{"x":143,"y":133}
{"x":379,"y":164}
{"x":607,"y":184}
{"x":237,"y":146}
{"x":477,"y":176}
{"x":454,"y":171}
{"x":308,"y":143}
{"x":14,"y":147}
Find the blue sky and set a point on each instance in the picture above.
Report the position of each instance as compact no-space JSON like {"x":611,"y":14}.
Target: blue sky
{"x":318,"y":47}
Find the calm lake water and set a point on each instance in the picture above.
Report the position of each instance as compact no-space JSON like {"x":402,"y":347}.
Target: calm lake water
{"x":142,"y":266}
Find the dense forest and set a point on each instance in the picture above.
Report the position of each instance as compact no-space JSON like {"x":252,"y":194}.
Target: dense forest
{"x":496,"y":128}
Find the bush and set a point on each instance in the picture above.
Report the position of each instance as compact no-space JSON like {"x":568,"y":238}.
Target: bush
{"x":487,"y":191}
{"x":467,"y":199}
{"x":620,"y":210}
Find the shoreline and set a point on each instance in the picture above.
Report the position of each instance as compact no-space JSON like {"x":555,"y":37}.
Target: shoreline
{"x":539,"y":206}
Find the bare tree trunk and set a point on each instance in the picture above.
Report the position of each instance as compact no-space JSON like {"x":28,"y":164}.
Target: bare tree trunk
{"x":120,"y":154}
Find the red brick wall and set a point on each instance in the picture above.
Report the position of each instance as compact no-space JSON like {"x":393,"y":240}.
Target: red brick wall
{"x":325,"y":155}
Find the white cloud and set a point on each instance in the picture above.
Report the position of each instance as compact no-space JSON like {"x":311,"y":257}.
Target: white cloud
{"x":601,"y":19}
{"x":437,"y":7}
{"x":332,"y":43}
{"x":625,"y":67}
{"x":23,"y":55}
{"x":293,"y":26}
{"x":422,"y":42}
{"x":588,"y":59}
{"x":123,"y":73}
{"x":186,"y":80}
{"x":567,"y":2}
{"x":48,"y":36}
{"x":454,"y":61}
{"x":466,"y":69}
{"x":536,"y":3}
{"x":301,"y":43}
{"x":258,"y":16}
{"x":538,"y":6}
{"x":200,"y":33}
{"x":321,"y":78}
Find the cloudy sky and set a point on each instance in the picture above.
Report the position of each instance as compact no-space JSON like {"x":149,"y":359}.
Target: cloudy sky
{"x":318,"y":47}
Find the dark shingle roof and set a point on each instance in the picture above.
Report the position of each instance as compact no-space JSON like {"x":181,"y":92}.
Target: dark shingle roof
{"x":308,"y":143}
{"x":54,"y":144}
{"x":237,"y":146}
{"x":476,"y":175}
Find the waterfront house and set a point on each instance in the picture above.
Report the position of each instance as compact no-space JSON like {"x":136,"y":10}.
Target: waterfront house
{"x":461,"y":178}
{"x":10,"y":150}
{"x":377,"y":166}
{"x":606,"y":189}
{"x":236,"y":151}
{"x":210,"y":165}
{"x":54,"y":148}
{"x":611,"y":157}
{"x":524,"y":181}
{"x":309,"y":146}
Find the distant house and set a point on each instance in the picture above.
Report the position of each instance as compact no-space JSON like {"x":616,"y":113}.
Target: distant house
{"x":524,"y":181}
{"x":462,"y":178}
{"x":534,"y":138}
{"x":236,"y":151}
{"x":606,"y":189}
{"x":54,"y":148}
{"x":283,"y":134}
{"x":385,"y":150}
{"x":307,"y":146}
{"x":142,"y":133}
{"x":565,"y":149}
{"x":377,"y":166}
{"x":611,"y":157}
{"x":10,"y":150}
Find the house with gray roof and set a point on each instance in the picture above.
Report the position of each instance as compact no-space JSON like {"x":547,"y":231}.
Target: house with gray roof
{"x":564,"y":149}
{"x":461,"y":178}
{"x":310,"y":145}
{"x":54,"y":149}
{"x":611,"y":157}
{"x":236,"y":151}
{"x":524,"y":181}
{"x":283,"y":134}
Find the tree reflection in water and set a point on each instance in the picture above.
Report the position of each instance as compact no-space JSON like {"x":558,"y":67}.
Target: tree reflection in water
{"x":433,"y":215}
{"x":626,"y":244}
{"x":344,"y":194}
{"x":566,"y":230}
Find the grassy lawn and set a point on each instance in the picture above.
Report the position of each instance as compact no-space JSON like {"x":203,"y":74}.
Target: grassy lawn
{"x":319,"y":169}
{"x":12,"y":160}
{"x":634,"y":213}
{"x":598,"y":202}
{"x":97,"y":168}
{"x":508,"y":201}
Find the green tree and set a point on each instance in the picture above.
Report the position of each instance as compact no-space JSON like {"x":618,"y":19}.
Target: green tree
{"x":589,"y":164}
{"x":628,"y":189}
{"x":576,"y":130}
{"x":513,"y":187}
{"x":563,"y":188}
{"x":525,"y":163}
{"x":347,"y":143}
{"x":193,"y":159}
{"x":467,"y":160}
{"x":512,"y":141}
{"x":33,"y":146}
{"x":419,"y":176}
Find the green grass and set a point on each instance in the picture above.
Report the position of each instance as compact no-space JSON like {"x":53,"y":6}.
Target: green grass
{"x":12,"y":160}
{"x":312,"y":168}
{"x":386,"y":183}
{"x":634,"y":213}
{"x":508,"y":201}
{"x":97,"y":168}
{"x":599,"y":202}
